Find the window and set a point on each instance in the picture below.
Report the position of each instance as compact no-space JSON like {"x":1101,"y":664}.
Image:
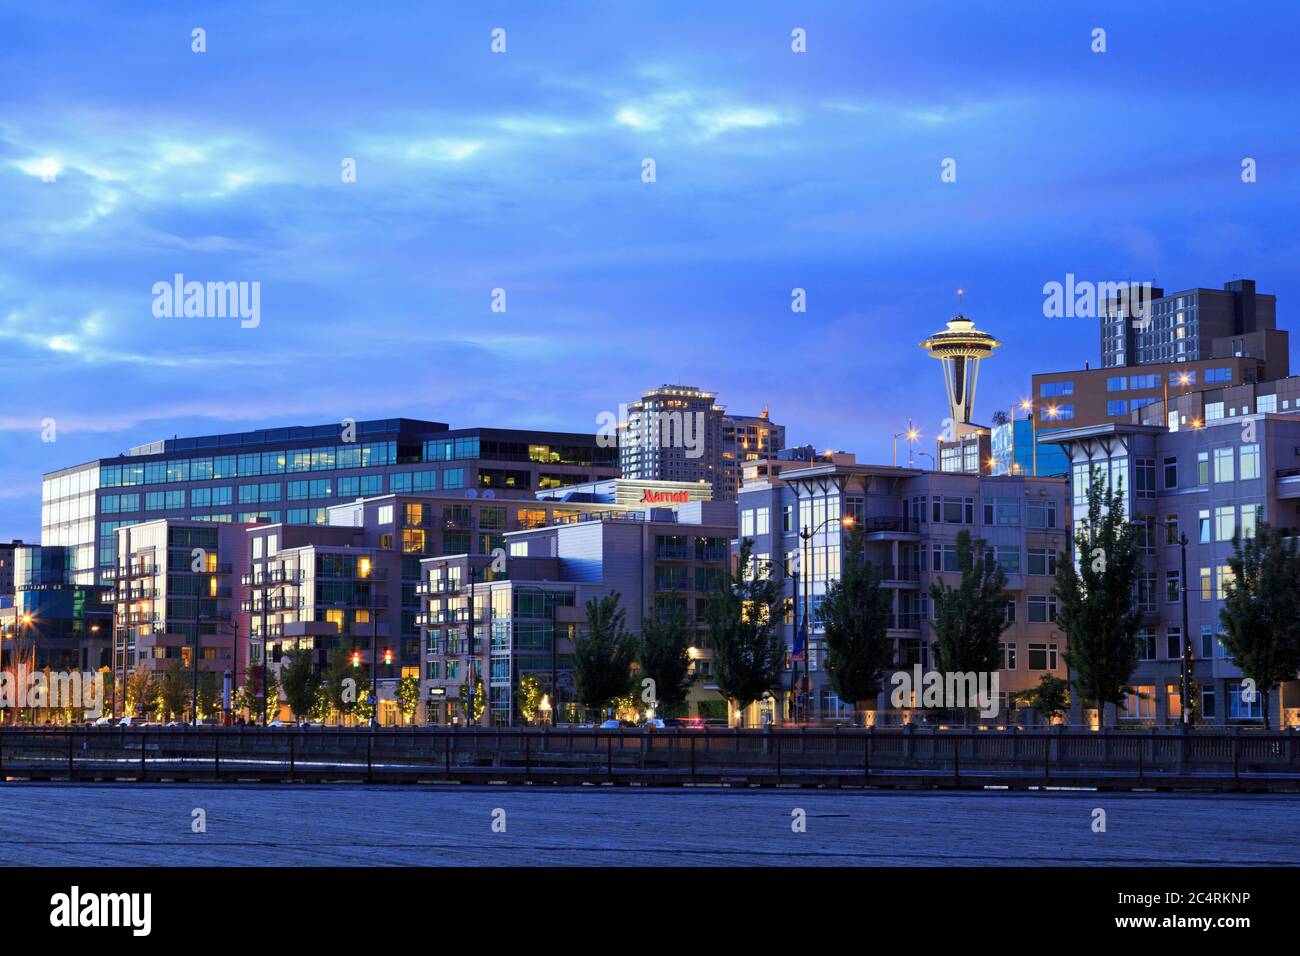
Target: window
{"x":1002,"y":511}
{"x":1266,"y":404}
{"x":1011,"y":612}
{"x":1213,"y":411}
{"x":1223,"y":467}
{"x":1058,"y":413}
{"x":1007,"y":557}
{"x":1226,"y":578}
{"x":1207,"y":642}
{"x":1225,"y":523}
{"x":1174,"y":642}
{"x":1218,"y":375}
{"x":1203,"y":521}
{"x":1182,"y":378}
{"x":1146,"y":592}
{"x":1173,"y":586}
{"x":1143,"y":381}
{"x":1202,"y":467}
{"x":1117,"y":406}
{"x":1144,"y":479}
{"x":1040,"y":513}
{"x":762,"y":521}
{"x":1146,"y":641}
{"x":1241,"y":708}
{"x":787,"y":518}
{"x":1208,"y":708}
{"x":384,"y":514}
{"x":1042,"y":657}
{"x":747,"y":523}
{"x":1042,"y":561}
{"x":1054,"y":389}
{"x":1008,"y":656}
{"x":1116,"y":384}
{"x":1207,"y":585}
{"x":1042,"y":610}
{"x":1249,"y":517}
{"x":1171,"y":529}
{"x":1171,"y":472}
{"x":1249,"y":462}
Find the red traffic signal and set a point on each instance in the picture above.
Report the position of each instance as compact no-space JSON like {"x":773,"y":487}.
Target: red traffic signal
{"x":388,"y":656}
{"x":356,"y":658}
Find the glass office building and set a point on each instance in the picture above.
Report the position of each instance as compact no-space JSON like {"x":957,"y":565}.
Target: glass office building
{"x":291,"y":475}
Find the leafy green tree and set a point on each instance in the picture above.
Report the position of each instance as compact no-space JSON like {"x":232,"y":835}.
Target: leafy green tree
{"x":603,"y":654}
{"x":249,"y":697}
{"x":209,"y":696}
{"x":529,"y":696}
{"x":1261,"y":610}
{"x":1050,"y":699}
{"x":345,"y":686}
{"x":141,"y":692}
{"x":408,"y":698}
{"x":175,"y":690}
{"x":856,"y":615}
{"x":302,"y":682}
{"x":479,"y":700}
{"x":1096,"y":596}
{"x":665,"y":655}
{"x":747,"y":652}
{"x":970,"y":618}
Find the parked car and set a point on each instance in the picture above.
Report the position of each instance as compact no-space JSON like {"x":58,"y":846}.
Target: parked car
{"x":653,"y":723}
{"x":684,"y":723}
{"x":278,"y":723}
{"x":127,"y":722}
{"x":102,"y":722}
{"x":617,"y":725}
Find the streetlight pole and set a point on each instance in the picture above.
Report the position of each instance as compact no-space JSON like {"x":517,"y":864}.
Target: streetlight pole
{"x":911,"y":433}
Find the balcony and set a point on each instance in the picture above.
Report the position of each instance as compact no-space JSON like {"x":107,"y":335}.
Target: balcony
{"x":667,"y":552}
{"x":880,"y":527}
{"x":906,"y":621}
{"x":895,"y":574}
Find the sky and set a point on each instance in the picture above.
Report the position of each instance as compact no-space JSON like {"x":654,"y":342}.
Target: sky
{"x":126,"y":157}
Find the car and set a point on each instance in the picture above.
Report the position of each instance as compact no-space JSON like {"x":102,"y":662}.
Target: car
{"x":684,"y":723}
{"x":127,"y":722}
{"x":278,"y":723}
{"x":102,"y":722}
{"x":617,"y":725}
{"x":653,"y":723}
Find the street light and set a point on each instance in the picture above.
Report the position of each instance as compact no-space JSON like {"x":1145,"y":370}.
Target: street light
{"x":807,"y":536}
{"x":912,"y":435}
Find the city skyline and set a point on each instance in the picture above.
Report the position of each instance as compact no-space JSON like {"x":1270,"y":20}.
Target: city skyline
{"x":523,"y":171}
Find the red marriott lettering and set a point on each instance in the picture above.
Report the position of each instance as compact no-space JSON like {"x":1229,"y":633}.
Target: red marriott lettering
{"x":649,"y":497}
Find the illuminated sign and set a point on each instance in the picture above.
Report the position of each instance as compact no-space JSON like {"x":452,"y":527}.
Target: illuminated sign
{"x":649,"y":497}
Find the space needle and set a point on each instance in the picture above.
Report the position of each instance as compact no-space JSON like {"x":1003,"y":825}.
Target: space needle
{"x":960,"y":347}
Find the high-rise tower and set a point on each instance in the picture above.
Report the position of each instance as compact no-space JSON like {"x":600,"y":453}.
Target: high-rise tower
{"x":960,"y":347}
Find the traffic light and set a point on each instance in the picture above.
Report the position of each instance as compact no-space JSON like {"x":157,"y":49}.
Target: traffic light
{"x":356,"y":658}
{"x":388,"y":656}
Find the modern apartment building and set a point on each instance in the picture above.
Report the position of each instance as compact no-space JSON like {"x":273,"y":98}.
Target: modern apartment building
{"x":315,"y":596}
{"x":292,"y":475}
{"x":7,"y":568}
{"x":1196,"y":325}
{"x":1209,"y":483}
{"x":654,"y":558}
{"x":680,"y":433}
{"x":176,"y":593}
{"x":909,"y":520}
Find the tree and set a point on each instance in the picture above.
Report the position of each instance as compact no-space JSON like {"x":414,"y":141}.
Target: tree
{"x":479,"y":704}
{"x":1097,"y":610}
{"x":249,"y":697}
{"x":175,"y":689}
{"x":342,"y":684}
{"x":209,"y":695}
{"x":1261,"y":610}
{"x":665,"y":655}
{"x":856,"y":615}
{"x":1050,"y":699}
{"x":408,"y":698}
{"x":529,"y":696}
{"x":141,"y":691}
{"x":603,"y":654}
{"x":747,"y":651}
{"x":970,"y":618}
{"x":302,"y":682}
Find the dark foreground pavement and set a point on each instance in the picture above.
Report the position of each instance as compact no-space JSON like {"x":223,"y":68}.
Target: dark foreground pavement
{"x":144,"y":825}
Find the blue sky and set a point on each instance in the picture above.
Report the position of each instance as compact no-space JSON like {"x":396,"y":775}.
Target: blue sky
{"x":522,"y":171}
